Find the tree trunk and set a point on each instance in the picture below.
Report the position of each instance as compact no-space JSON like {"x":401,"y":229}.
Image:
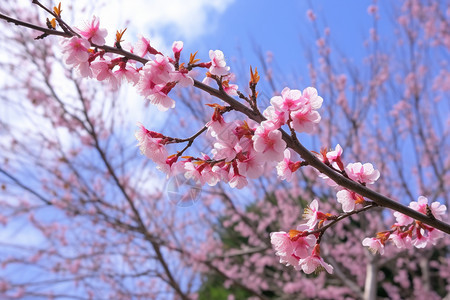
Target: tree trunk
{"x":371,"y":284}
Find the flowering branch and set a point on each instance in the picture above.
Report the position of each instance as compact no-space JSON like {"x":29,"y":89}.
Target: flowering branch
{"x":313,"y":161}
{"x":294,"y":144}
{"x":321,"y":230}
{"x":242,"y":148}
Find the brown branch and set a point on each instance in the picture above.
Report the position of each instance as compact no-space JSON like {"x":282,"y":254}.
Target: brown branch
{"x":35,"y":27}
{"x":25,"y":187}
{"x":341,"y":217}
{"x":341,"y":180}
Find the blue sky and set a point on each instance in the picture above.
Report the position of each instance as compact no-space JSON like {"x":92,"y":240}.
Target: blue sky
{"x":279,"y":28}
{"x":237,"y":27}
{"x":230,"y":25}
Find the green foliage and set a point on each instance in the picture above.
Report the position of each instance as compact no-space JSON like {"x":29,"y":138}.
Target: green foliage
{"x":213,"y":288}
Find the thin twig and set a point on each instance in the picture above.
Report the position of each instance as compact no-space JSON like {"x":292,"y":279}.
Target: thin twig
{"x":35,"y":27}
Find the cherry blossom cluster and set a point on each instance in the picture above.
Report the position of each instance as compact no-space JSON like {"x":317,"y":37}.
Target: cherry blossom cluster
{"x":242,"y":149}
{"x":154,"y":80}
{"x":407,"y":232}
{"x":297,"y":108}
{"x":218,"y":69}
{"x":300,"y":248}
{"x":361,"y":173}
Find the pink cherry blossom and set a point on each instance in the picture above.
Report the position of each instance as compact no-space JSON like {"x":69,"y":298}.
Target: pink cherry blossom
{"x":147,"y":82}
{"x":222,"y":171}
{"x":293,"y":246}
{"x":161,"y":68}
{"x":177,"y":46}
{"x":426,"y":235}
{"x":303,"y":244}
{"x":402,"y":219}
{"x":231,"y":89}
{"x":224,"y":150}
{"x":143,"y":47}
{"x":372,"y":9}
{"x":171,"y":166}
{"x":401,"y":240}
{"x":218,"y":64}
{"x":102,"y":70}
{"x":245,"y":128}
{"x":237,"y":180}
{"x":437,"y":209}
{"x":315,"y":263}
{"x":362,"y":173}
{"x":193,"y":171}
{"x":84,"y":69}
{"x":374,"y":245}
{"x":290,"y":100}
{"x":92,"y":32}
{"x":312,"y":97}
{"x":312,"y":214}
{"x":181,"y":78}
{"x":201,"y":172}
{"x":245,"y":146}
{"x":151,"y":144}
{"x":217,"y":124}
{"x":335,"y":154}
{"x":434,"y":235}
{"x":208,"y":81}
{"x":420,"y":205}
{"x":420,"y":241}
{"x":127,"y":72}
{"x":76,"y":53}
{"x":305,"y":119}
{"x":160,"y":99}
{"x":284,"y":248}
{"x":155,"y":84}
{"x":278,"y":118}
{"x":293,"y":249}
{"x":407,"y":233}
{"x":334,"y":157}
{"x":249,"y":164}
{"x":310,"y":14}
{"x":345,"y":197}
{"x":268,"y":141}
{"x":286,"y":167}
{"x":210,"y":177}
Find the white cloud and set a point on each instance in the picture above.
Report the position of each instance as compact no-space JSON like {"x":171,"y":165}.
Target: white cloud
{"x":162,"y":20}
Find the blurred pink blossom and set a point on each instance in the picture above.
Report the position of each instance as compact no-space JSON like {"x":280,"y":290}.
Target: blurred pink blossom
{"x":92,"y":32}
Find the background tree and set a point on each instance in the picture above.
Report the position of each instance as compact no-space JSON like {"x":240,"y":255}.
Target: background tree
{"x":390,"y":109}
